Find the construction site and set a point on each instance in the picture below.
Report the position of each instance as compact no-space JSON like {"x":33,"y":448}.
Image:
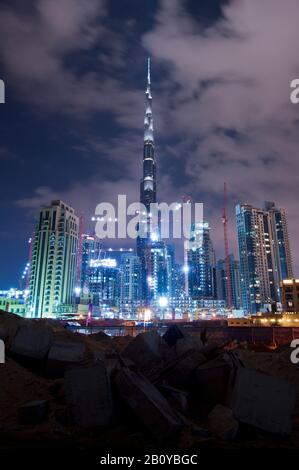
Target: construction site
{"x":173,"y":388}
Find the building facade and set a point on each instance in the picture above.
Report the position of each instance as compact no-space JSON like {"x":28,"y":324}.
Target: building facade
{"x":54,"y":259}
{"x":264,"y":255}
{"x":201,"y":263}
{"x":235,"y":280}
{"x":91,"y":250}
{"x":289,"y":289}
{"x":104,"y":284}
{"x":148,"y":191}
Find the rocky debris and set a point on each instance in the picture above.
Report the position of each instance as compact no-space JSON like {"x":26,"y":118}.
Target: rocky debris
{"x":147,"y":404}
{"x":144,"y":350}
{"x":32,"y":340}
{"x":172,"y":388}
{"x":33,"y":412}
{"x":263,"y":401}
{"x":173,"y":334}
{"x":221,"y":423}
{"x":88,"y":396}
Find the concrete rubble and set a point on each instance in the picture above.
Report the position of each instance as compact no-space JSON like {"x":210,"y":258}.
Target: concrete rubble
{"x":144,"y":349}
{"x":147,"y":404}
{"x":88,"y":396}
{"x":63,"y":355}
{"x":32,"y":341}
{"x":263,"y":401}
{"x":222,"y":423}
{"x":159,"y":389}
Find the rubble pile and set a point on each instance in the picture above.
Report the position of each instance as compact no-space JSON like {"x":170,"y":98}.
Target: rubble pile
{"x":176,"y":389}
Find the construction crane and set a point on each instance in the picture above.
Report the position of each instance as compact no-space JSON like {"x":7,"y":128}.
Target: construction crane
{"x":186,"y":200}
{"x":226,"y":250}
{"x":80,"y":247}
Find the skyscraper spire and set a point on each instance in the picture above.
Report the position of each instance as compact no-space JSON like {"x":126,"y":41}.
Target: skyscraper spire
{"x":148,"y":118}
{"x":148,"y":71}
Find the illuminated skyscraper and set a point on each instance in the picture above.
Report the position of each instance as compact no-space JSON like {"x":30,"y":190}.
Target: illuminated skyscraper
{"x":201,"y":263}
{"x":281,"y":243}
{"x":265,"y":257}
{"x":147,"y":188}
{"x":91,"y":250}
{"x":221,"y":281}
{"x":54,"y":256}
{"x":130,"y":278}
{"x":104,"y":283}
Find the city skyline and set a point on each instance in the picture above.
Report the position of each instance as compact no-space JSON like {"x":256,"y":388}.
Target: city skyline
{"x":69,"y":272}
{"x":80,"y":145}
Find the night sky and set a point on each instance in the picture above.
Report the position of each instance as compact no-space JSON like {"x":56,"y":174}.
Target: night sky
{"x":72,"y":124}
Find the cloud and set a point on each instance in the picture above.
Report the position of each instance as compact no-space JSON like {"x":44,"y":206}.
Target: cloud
{"x":50,"y":54}
{"x":221,"y":106}
{"x":231,"y":102}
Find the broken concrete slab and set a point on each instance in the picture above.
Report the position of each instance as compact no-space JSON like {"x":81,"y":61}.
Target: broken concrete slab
{"x":212,"y":383}
{"x":178,"y":399}
{"x":9,"y":325}
{"x":188,"y":343}
{"x":221,"y":423}
{"x":173,"y":334}
{"x":263,"y":401}
{"x":32,"y":341}
{"x":144,"y":349}
{"x":88,"y":396}
{"x":147,"y":403}
{"x":33,"y":412}
{"x":63,"y":355}
{"x":181,"y":371}
{"x":67,"y":352}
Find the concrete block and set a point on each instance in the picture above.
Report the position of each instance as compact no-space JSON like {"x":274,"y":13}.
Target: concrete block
{"x":221,"y":423}
{"x":88,"y":396}
{"x":9,"y":325}
{"x":33,"y":412}
{"x":63,"y":355}
{"x":32,"y":341}
{"x":180,"y":374}
{"x":263,"y":401}
{"x":173,"y":334}
{"x":147,"y":403}
{"x":67,"y":351}
{"x":178,"y":399}
{"x":212,"y":383}
{"x":144,"y":349}
{"x":188,"y":343}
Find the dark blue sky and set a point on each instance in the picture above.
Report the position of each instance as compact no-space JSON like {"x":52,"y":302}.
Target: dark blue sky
{"x":71,"y":126}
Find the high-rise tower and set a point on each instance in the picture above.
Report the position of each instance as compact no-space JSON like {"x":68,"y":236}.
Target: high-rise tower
{"x":54,"y":260}
{"x":265,"y":255}
{"x":148,"y":182}
{"x":147,"y":189}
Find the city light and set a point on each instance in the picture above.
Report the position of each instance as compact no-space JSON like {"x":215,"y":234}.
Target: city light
{"x":163,"y":302}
